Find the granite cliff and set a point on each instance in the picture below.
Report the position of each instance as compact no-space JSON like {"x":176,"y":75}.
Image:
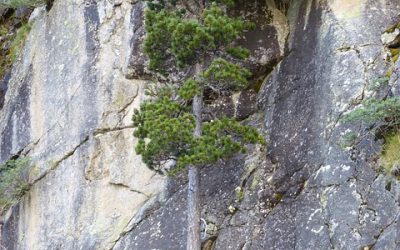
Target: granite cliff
{"x":67,"y":102}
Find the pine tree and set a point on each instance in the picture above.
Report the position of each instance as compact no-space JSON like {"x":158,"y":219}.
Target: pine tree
{"x":198,"y":37}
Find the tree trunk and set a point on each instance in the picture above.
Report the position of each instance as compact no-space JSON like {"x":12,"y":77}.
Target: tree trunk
{"x":193,"y":236}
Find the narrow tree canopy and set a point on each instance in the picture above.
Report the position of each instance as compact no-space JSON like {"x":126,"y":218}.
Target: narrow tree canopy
{"x":191,"y":35}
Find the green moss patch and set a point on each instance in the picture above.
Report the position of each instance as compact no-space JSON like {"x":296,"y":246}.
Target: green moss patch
{"x":391,"y":154}
{"x":392,"y":28}
{"x":13,"y":34}
{"x":395,"y":54}
{"x":389,"y":73}
{"x":19,"y":41}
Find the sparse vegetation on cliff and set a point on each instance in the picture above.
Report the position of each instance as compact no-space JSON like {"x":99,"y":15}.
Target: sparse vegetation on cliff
{"x":12,"y":41}
{"x":14,"y":181}
{"x":19,"y":41}
{"x":21,"y":3}
{"x":381,"y":113}
{"x":383,"y":119}
{"x":385,"y":112}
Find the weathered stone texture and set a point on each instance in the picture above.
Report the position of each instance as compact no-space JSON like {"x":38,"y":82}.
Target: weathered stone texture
{"x":72,"y":92}
{"x":68,"y":106}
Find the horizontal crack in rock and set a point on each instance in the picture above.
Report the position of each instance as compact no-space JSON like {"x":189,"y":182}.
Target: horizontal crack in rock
{"x":129,"y":188}
{"x":101,"y":131}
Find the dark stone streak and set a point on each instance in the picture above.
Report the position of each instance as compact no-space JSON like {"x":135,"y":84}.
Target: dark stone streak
{"x":3,"y":88}
{"x":7,"y":231}
{"x":297,"y":99}
{"x":295,"y":129}
{"x":90,"y":74}
{"x":18,"y":115}
{"x":90,"y":87}
{"x":137,"y":60}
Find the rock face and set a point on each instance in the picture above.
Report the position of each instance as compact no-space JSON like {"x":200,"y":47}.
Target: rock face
{"x":69,"y":105}
{"x":73,"y":89}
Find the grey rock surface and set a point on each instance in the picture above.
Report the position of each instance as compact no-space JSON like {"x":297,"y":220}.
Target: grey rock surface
{"x":328,"y":199}
{"x":68,"y":106}
{"x":71,"y":94}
